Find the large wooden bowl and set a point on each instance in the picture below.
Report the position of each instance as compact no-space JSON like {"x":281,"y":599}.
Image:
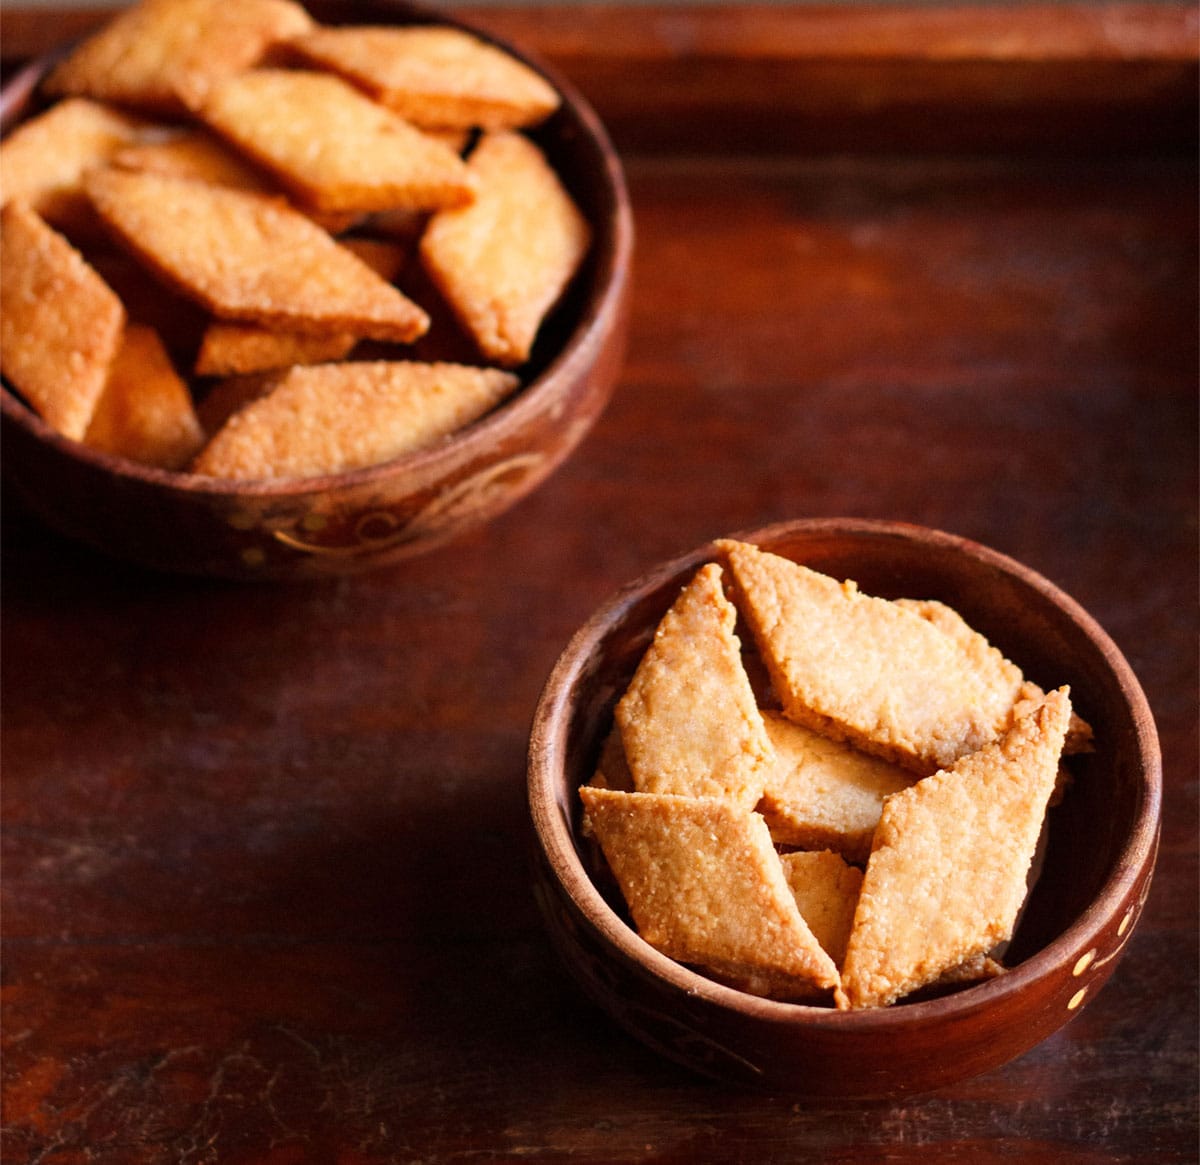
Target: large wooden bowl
{"x":1099,"y":857}
{"x":365,"y":518}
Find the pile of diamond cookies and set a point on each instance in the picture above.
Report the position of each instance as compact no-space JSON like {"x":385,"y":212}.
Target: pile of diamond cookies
{"x":246,"y":245}
{"x":847,"y":810}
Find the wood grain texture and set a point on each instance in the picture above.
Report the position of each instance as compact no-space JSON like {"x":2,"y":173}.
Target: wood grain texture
{"x":824,"y":78}
{"x":265,"y":892}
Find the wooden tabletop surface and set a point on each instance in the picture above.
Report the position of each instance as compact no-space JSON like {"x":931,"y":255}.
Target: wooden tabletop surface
{"x":265,"y":892}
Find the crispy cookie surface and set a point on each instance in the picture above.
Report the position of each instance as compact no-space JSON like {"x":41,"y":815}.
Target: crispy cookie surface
{"x":60,"y":323}
{"x":688,"y":721}
{"x":947,"y":874}
{"x":333,"y":417}
{"x":249,"y":257}
{"x":825,"y":793}
{"x":233,"y":349}
{"x":826,"y":890}
{"x":145,"y":413}
{"x":504,"y":261}
{"x":162,"y":55}
{"x":43,"y":160}
{"x":704,"y":884}
{"x":437,"y":77}
{"x":333,"y":147}
{"x":869,"y":670}
{"x":199,"y":154}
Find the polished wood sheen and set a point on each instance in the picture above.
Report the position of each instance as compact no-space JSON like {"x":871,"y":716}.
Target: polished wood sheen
{"x":266,"y":850}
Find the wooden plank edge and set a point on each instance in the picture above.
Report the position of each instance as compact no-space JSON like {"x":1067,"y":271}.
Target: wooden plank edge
{"x":1166,"y":30}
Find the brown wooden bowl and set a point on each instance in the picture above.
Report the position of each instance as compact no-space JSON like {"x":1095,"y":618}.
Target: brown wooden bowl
{"x":1099,"y":857}
{"x":351,"y":521}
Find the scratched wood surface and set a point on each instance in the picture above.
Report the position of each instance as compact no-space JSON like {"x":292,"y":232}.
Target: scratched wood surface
{"x":264,"y":849}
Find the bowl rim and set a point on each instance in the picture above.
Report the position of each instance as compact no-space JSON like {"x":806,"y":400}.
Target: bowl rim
{"x":604,"y":294}
{"x":547,"y":756}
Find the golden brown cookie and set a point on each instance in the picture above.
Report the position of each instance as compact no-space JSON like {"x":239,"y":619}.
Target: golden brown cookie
{"x":60,"y":323}
{"x":233,"y":349}
{"x":145,"y":413}
{"x":868,"y":670}
{"x":947,"y":874}
{"x":198,"y":154}
{"x":162,"y":55}
{"x":249,"y":257}
{"x":826,"y":890}
{"x":688,"y":720}
{"x":43,"y":160}
{"x":504,"y":261}
{"x":437,"y":77}
{"x":704,"y":884}
{"x":823,"y":793}
{"x":332,"y":147}
{"x":333,"y":417}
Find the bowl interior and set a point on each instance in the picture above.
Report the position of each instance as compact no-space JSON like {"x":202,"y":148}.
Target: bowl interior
{"x":577,"y":147}
{"x":362,"y":518}
{"x":1107,"y":820}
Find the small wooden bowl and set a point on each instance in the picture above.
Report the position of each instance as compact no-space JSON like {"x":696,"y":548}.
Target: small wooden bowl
{"x":1102,"y":843}
{"x":369,"y":517}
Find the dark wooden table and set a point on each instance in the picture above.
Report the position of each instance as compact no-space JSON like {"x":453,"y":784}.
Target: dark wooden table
{"x":264,"y":883}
